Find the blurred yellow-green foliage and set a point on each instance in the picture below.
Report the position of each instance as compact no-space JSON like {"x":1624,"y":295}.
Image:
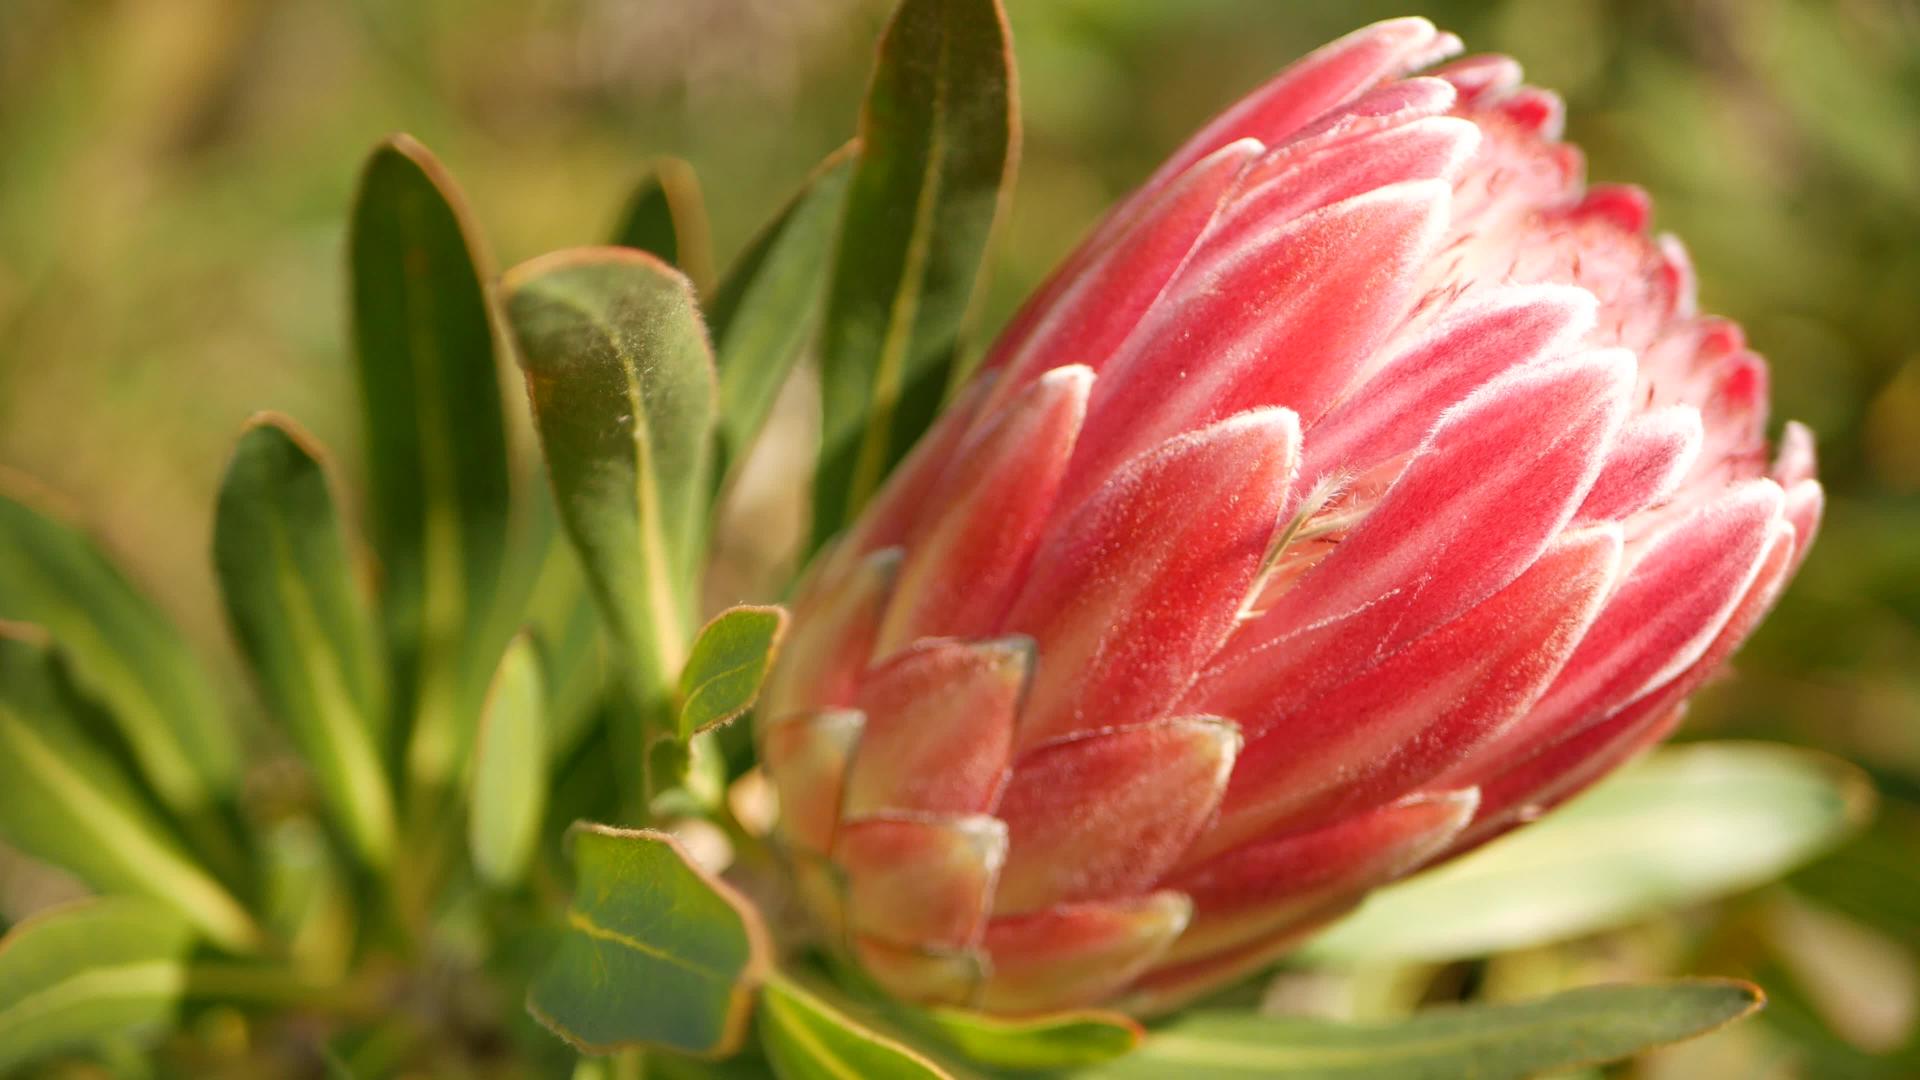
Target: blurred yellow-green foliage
{"x":175,"y":174}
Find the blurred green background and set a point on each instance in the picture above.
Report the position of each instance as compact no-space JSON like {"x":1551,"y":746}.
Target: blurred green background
{"x":174,"y":178}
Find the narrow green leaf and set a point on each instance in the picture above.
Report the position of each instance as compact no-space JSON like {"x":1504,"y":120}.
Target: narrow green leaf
{"x":281,"y":557}
{"x":763,"y":315}
{"x":124,"y":652}
{"x":307,"y":902}
{"x":667,"y":216}
{"x":436,"y":442}
{"x":1689,"y":824}
{"x":67,"y":802}
{"x":805,"y":1038}
{"x":622,"y":385}
{"x":509,"y":791}
{"x":658,"y":952}
{"x":111,"y":967}
{"x":728,"y":663}
{"x":1062,"y":1040}
{"x":939,"y":136}
{"x":1486,"y":1042}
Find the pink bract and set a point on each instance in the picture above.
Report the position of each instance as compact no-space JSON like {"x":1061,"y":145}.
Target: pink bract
{"x":1365,"y":485}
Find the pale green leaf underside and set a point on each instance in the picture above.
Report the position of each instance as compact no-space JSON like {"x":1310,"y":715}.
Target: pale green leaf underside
{"x":510,"y":768}
{"x":1486,"y":1042}
{"x":1688,"y":824}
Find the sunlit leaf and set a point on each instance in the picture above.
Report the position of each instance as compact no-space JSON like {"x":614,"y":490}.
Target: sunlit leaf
{"x":726,"y":666}
{"x":112,"y":967}
{"x":621,"y":380}
{"x":510,"y":768}
{"x":805,"y":1038}
{"x":938,"y":140}
{"x":436,"y":451}
{"x":1486,"y":1042}
{"x":69,"y":803}
{"x":658,"y":952}
{"x":1689,"y":824}
{"x":667,"y":216}
{"x":122,"y":649}
{"x":281,"y":556}
{"x":765,"y":311}
{"x":1049,"y":1041}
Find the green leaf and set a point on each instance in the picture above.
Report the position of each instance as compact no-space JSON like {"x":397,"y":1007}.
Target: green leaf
{"x":659,"y":952}
{"x":436,"y":442}
{"x":1689,"y":824}
{"x":764,"y":313}
{"x":510,"y":768}
{"x":1061,"y":1040}
{"x":1486,"y":1042}
{"x":667,"y":216}
{"x":124,"y":652}
{"x":805,"y":1038}
{"x":111,"y":967}
{"x":728,"y":663}
{"x":281,"y":557}
{"x":69,"y":803}
{"x":621,"y":380}
{"x":938,"y":141}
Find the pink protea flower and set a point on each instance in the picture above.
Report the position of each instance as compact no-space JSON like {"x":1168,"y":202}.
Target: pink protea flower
{"x":1362,"y":487}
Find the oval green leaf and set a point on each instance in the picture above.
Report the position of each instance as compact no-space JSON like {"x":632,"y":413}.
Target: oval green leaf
{"x":667,"y":216}
{"x":1487,"y":1042}
{"x":939,"y":136}
{"x":726,"y":666}
{"x":111,"y":967}
{"x":657,"y":951}
{"x":436,"y":455}
{"x":509,"y":793}
{"x":68,"y":802}
{"x":301,"y":622}
{"x":805,"y":1038}
{"x":765,"y":311}
{"x":123,"y":650}
{"x":622,"y":385}
{"x":1688,"y":824}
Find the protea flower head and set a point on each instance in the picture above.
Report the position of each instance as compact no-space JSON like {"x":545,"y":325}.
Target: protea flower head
{"x":1365,"y":485}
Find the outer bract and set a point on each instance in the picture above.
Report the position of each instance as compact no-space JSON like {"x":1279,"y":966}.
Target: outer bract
{"x":1364,"y":486}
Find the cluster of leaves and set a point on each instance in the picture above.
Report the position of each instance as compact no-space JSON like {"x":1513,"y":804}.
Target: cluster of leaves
{"x":535,"y":654}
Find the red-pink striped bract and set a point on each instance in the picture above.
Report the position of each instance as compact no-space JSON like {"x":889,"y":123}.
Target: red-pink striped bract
{"x":1364,"y":486}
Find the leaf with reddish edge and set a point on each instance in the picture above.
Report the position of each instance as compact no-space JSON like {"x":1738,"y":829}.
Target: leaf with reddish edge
{"x":667,"y":216}
{"x":939,"y":136}
{"x":657,"y":953}
{"x":620,"y":377}
{"x":1485,"y":1041}
{"x":299,"y":617}
{"x":727,"y":665}
{"x":1689,"y":824}
{"x":437,"y":477}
